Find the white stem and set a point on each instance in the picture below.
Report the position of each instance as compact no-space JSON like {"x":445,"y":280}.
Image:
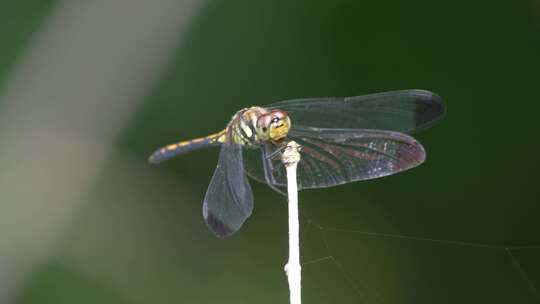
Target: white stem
{"x":290,"y":158}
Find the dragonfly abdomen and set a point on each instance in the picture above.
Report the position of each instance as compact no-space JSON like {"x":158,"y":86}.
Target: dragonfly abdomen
{"x":172,"y":150}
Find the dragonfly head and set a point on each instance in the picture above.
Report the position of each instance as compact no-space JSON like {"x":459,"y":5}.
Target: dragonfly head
{"x":273,"y":125}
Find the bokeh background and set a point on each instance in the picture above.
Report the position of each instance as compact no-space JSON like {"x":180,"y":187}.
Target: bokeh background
{"x":88,"y":89}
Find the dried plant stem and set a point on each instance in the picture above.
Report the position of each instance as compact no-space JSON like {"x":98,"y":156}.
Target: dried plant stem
{"x":290,"y":158}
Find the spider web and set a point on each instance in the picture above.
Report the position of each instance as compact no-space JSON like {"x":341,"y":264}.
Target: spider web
{"x":345,"y":265}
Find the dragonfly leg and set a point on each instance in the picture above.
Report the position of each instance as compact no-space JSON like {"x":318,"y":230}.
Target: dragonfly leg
{"x":268,"y":168}
{"x":277,"y":151}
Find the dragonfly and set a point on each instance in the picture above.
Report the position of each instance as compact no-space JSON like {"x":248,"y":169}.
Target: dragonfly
{"x":342,"y":140}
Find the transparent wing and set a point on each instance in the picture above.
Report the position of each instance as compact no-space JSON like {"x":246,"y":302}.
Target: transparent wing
{"x":331,"y":157}
{"x":402,"y":111}
{"x":228,"y":201}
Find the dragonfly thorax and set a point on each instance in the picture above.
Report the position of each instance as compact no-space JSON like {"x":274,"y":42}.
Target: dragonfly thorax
{"x":255,"y":125}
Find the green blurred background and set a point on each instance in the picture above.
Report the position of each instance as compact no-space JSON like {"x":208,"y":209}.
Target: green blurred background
{"x":89,"y":88}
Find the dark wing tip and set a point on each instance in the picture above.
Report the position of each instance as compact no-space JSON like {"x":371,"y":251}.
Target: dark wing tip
{"x":430,"y":108}
{"x":217,"y":226}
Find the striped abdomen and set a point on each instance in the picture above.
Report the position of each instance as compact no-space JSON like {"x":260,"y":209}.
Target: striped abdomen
{"x":182,"y":147}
